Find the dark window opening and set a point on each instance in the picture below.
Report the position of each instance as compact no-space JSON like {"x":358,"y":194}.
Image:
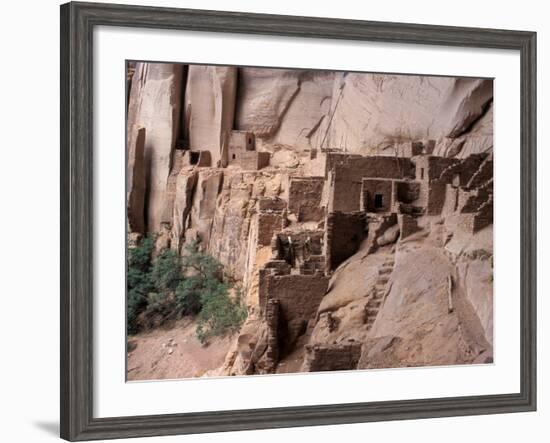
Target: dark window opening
{"x":421,"y":173}
{"x":378,"y":201}
{"x":233,"y":157}
{"x":249,"y":141}
{"x":194,"y":159}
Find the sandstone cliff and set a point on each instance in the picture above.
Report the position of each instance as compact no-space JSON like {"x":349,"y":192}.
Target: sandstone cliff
{"x":355,"y":209}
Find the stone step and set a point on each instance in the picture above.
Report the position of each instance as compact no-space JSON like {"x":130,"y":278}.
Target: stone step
{"x":383,"y":278}
{"x":380,"y":287}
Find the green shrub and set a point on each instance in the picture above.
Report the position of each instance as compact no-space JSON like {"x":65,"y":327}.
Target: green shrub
{"x":136,"y":302}
{"x":197,"y":263}
{"x":139,"y":257}
{"x":166,"y":271}
{"x":219,"y":313}
{"x":188,"y":294}
{"x":205,"y":292}
{"x":138,"y":282}
{"x":171,"y":286}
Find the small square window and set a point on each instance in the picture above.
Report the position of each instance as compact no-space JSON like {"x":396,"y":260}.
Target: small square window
{"x":378,"y":201}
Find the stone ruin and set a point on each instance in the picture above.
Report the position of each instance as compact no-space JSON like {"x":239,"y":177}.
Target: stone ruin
{"x":320,"y":223}
{"x":182,"y":134}
{"x":242,"y":152}
{"x":376,"y":200}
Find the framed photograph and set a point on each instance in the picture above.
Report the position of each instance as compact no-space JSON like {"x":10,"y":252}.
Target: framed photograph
{"x":274,"y":221}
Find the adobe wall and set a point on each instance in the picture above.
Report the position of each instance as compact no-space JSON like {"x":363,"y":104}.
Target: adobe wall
{"x":271,"y":204}
{"x":474,"y":222}
{"x":251,"y":160}
{"x":263,"y":159}
{"x":344,"y":233}
{"x":371,"y":187}
{"x":482,"y":175}
{"x":271,"y":218}
{"x":348,"y":176}
{"x":436,"y":197}
{"x":241,"y":151}
{"x":406,"y":191}
{"x":239,"y":142}
{"x":268,"y":224}
{"x":297,"y":247}
{"x":339,"y":357}
{"x":272,"y":323}
{"x":313,"y":264}
{"x":338,"y":158}
{"x":305,"y":196}
{"x":299,"y":297}
{"x":273,"y":267}
{"x":407,"y":225}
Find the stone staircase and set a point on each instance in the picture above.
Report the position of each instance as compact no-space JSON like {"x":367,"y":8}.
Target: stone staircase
{"x":373,"y":305}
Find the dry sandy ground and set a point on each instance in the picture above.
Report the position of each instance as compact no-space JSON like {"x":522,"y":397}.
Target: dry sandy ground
{"x":173,"y":352}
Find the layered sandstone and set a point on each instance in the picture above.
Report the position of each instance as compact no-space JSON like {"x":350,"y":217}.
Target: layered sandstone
{"x":154,"y":104}
{"x":355,"y":210}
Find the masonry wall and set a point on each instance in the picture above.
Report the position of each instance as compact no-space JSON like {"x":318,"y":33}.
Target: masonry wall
{"x":239,"y":142}
{"x":407,"y":225}
{"x":304,"y":198}
{"x":343,"y":235}
{"x":272,"y":323}
{"x":406,"y":191}
{"x":348,"y":176}
{"x":339,"y":357}
{"x":371,"y":187}
{"x":242,"y":152}
{"x":436,"y":197}
{"x":268,"y":224}
{"x":271,"y":268}
{"x":297,"y":247}
{"x":299,"y":297}
{"x":252,"y":160}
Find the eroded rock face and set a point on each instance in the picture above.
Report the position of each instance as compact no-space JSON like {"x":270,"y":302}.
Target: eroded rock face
{"x":154,"y":103}
{"x":417,"y":316}
{"x":233,"y":221}
{"x":209,"y":108}
{"x":135,"y":180}
{"x":375,"y":311}
{"x":283,"y":106}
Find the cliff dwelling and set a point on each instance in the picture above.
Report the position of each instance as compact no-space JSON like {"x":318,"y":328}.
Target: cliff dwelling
{"x":327,"y":214}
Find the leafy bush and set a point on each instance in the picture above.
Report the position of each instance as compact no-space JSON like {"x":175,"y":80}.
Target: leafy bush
{"x":138,"y":281}
{"x":166,"y":271}
{"x":205,"y":292}
{"x":219,"y":313}
{"x":172,"y":286}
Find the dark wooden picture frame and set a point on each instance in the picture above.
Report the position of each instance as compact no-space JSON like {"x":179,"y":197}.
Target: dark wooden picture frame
{"x":77,"y":24}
